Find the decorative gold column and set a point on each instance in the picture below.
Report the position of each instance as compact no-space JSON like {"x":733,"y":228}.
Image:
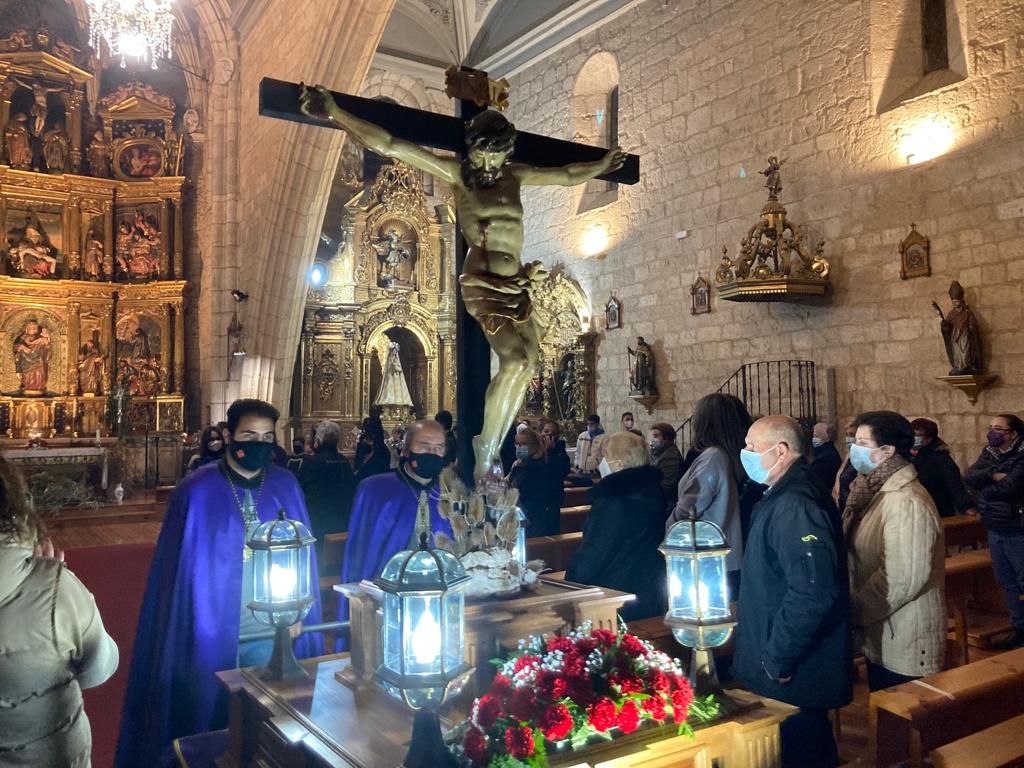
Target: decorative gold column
{"x":74,"y":341}
{"x":74,"y":212}
{"x":179,"y":244}
{"x":108,"y":337}
{"x":73,"y":105}
{"x":108,"y":239}
{"x":165,"y":237}
{"x":179,"y":348}
{"x":165,"y":348}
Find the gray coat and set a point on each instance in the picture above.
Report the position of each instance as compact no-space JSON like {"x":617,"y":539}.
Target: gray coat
{"x":709,"y":487}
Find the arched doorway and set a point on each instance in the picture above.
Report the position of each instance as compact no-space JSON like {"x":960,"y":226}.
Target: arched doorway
{"x":414,"y":367}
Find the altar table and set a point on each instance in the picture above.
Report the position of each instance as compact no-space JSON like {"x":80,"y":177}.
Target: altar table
{"x":323,"y":723}
{"x":48,"y":458}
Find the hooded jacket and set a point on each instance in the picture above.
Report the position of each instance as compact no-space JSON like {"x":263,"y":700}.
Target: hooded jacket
{"x":941,"y":477}
{"x":1000,"y":502}
{"x":52,"y":645}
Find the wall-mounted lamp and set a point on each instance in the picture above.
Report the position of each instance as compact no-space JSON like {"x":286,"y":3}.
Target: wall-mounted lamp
{"x":234,"y":338}
{"x":929,"y":137}
{"x":594,"y":240}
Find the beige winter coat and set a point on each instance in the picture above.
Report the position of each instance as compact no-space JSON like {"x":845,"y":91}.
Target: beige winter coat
{"x":897,"y":577}
{"x":52,"y":645}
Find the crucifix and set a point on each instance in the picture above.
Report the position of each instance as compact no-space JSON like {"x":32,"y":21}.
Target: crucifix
{"x":493,"y":161}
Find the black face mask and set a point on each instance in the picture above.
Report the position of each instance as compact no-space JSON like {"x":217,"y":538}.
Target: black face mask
{"x":426,"y":465}
{"x":252,"y":454}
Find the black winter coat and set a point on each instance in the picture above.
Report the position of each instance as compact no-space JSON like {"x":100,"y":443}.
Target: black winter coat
{"x":825,"y":465}
{"x":941,"y":477}
{"x":794,"y":604}
{"x":668,"y":460}
{"x":559,"y":466}
{"x":1000,"y":502}
{"x":621,"y":536}
{"x":328,"y":485}
{"x":533,"y":478}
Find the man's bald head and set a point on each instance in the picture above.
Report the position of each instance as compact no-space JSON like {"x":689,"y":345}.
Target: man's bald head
{"x":424,"y":436}
{"x":780,"y":442}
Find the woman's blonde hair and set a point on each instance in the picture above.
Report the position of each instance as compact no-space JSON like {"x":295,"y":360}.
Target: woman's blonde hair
{"x":532,"y":441}
{"x":18,"y":521}
{"x":626,"y":450}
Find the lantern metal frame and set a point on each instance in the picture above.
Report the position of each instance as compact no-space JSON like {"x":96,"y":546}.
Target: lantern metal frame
{"x":283,"y":664}
{"x":427,"y":748}
{"x":702,"y":673}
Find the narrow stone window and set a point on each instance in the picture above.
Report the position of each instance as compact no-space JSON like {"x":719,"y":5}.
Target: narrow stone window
{"x":934,"y":35}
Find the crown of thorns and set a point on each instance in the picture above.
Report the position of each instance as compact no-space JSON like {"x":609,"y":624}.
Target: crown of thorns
{"x":490,"y":132}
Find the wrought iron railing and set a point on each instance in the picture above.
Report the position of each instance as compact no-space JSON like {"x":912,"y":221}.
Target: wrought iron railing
{"x":774,"y":386}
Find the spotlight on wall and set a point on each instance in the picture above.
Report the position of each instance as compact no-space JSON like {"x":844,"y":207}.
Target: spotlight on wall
{"x":594,"y":240}
{"x":317,"y":274}
{"x":929,"y":137}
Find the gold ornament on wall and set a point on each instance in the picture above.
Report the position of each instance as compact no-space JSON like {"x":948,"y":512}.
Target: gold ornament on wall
{"x":915,"y":255}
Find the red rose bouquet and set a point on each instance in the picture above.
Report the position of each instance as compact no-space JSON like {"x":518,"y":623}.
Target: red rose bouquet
{"x":575,"y":688}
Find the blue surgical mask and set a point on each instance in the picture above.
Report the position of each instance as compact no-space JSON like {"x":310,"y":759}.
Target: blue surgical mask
{"x":918,"y":441}
{"x":655,"y":445}
{"x":817,"y":442}
{"x":522,"y":452}
{"x":860,"y":458}
{"x":751,"y":461}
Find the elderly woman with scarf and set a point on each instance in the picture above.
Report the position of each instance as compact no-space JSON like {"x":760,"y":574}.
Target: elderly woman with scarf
{"x":896,"y":555}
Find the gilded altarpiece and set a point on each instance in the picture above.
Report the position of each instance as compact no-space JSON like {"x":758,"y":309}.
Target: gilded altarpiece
{"x":390,"y":282}
{"x":563,"y":385}
{"x":91,"y":266}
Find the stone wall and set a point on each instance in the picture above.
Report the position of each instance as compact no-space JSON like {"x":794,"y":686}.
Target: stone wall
{"x":707,"y":91}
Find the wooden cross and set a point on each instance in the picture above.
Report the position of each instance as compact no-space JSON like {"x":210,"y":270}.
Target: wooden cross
{"x":280,"y":99}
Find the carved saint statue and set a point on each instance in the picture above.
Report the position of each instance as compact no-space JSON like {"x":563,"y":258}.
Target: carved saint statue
{"x":99,"y":156}
{"x":92,"y":257}
{"x":641,"y":368}
{"x":495,"y":284}
{"x":393,"y":251}
{"x":32,"y":349}
{"x":32,"y":255}
{"x":570,"y":391}
{"x":90,"y":369}
{"x":55,"y":149}
{"x":773,"y":178}
{"x":18,"y":144}
{"x":960,"y":333}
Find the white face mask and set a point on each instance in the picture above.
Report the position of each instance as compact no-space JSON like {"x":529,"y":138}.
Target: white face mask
{"x":605,"y":469}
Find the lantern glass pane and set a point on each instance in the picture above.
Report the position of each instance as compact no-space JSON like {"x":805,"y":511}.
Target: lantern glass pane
{"x":283,"y":579}
{"x":713,"y":588}
{"x":392,"y":632}
{"x":260,"y":576}
{"x":682,"y":591}
{"x":694,"y":637}
{"x":454,"y":652}
{"x":701,"y":534}
{"x":422,"y":636}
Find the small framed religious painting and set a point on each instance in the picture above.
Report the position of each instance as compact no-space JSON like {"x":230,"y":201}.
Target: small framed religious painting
{"x":700,"y":297}
{"x":915,"y":250}
{"x":612,"y":314}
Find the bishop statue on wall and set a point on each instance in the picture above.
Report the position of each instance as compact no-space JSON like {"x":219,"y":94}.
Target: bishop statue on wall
{"x":495,"y":283}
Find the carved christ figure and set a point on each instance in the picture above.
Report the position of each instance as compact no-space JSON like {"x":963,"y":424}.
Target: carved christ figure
{"x":495,"y":284}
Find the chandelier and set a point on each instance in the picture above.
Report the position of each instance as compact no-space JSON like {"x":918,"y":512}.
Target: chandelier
{"x":140,"y":29}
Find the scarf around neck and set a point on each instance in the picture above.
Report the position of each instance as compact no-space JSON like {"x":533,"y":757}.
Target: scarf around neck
{"x":863,"y":490}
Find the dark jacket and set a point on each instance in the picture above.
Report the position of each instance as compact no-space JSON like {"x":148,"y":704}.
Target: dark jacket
{"x":847,"y":476}
{"x":373,"y":461}
{"x":621,"y":536}
{"x":668,"y":460}
{"x":940,"y":476}
{"x":328,"y":485}
{"x":451,"y":447}
{"x":560,"y":465}
{"x":825,"y":465}
{"x":1000,"y":503}
{"x":533,"y":479}
{"x":794,"y":604}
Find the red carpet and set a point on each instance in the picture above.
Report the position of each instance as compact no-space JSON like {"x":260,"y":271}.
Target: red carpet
{"x":116,"y":575}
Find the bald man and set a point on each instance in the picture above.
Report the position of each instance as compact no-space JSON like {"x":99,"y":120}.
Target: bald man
{"x":792,"y":640}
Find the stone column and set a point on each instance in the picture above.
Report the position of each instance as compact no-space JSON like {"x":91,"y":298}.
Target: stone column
{"x":74,"y":341}
{"x":179,"y":348}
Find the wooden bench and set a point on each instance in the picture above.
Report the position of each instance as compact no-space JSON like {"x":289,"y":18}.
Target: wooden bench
{"x":573,"y":497}
{"x":573,"y":518}
{"x":907,"y":721}
{"x":964,"y":531}
{"x":555,"y":551}
{"x":1000,"y":746}
{"x":971,"y":580}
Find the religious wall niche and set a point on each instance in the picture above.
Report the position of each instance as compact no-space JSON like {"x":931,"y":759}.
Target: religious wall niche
{"x":138,"y":245}
{"x":139,"y":338}
{"x":138,"y":127}
{"x":563,"y":386}
{"x":396,"y":244}
{"x":34,"y":235}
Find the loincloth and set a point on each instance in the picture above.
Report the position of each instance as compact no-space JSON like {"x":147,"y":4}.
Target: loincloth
{"x":493,"y":309}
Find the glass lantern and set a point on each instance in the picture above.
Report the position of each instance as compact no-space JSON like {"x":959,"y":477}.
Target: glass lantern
{"x":423,"y":642}
{"x":698,"y":595}
{"x":519,"y":551}
{"x":283,"y":586}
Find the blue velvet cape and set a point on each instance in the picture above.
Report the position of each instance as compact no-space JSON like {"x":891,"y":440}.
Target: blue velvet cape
{"x":382,"y":522}
{"x":188,"y":625}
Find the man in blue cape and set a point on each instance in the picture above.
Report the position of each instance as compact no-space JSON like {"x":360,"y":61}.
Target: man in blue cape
{"x":193,"y":612}
{"x":383,"y":520}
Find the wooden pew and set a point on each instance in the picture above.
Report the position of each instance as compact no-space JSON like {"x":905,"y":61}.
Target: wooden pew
{"x":907,"y":721}
{"x":573,"y":497}
{"x":331,"y":552}
{"x":573,"y":518}
{"x":970,"y":580}
{"x":555,"y":551}
{"x":1000,"y":746}
{"x":964,"y":531}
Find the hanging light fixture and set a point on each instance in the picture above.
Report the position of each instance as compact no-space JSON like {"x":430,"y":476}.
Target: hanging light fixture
{"x":139,"y":29}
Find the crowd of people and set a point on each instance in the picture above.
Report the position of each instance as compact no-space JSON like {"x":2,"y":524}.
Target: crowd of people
{"x":830,"y":554}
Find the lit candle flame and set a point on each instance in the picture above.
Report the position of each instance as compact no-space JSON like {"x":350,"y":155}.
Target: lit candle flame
{"x":283,"y":582}
{"x":426,"y":639}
